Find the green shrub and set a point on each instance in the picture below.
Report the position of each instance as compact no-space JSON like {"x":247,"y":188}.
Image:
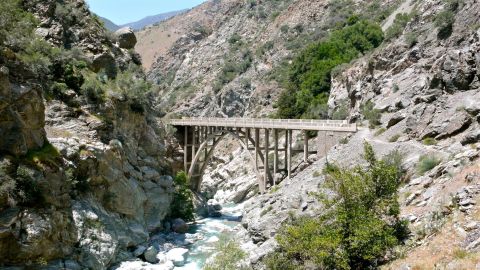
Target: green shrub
{"x":396,"y":88}
{"x":426,"y":163}
{"x":429,"y":141}
{"x":232,"y":68}
{"x":394,"y":31}
{"x":344,"y":140}
{"x":235,"y":38}
{"x":132,"y":85}
{"x":394,"y":138}
{"x":47,"y":155}
{"x":444,"y":21}
{"x":93,"y":88}
{"x":371,"y":114}
{"x":284,"y":28}
{"x":411,"y":39}
{"x":308,"y":78}
{"x":182,"y":205}
{"x":16,"y":25}
{"x":380,"y":131}
{"x":341,"y":111}
{"x":228,"y":256}
{"x":358,"y":227}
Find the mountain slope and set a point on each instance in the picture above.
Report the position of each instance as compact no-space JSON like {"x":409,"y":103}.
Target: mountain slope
{"x":226,"y":51}
{"x":109,"y":24}
{"x":150,"y":20}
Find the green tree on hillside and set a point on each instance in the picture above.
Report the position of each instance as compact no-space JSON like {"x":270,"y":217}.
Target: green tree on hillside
{"x":359,"y":224}
{"x":309,"y":77}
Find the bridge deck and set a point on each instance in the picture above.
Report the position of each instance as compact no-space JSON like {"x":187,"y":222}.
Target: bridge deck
{"x":291,"y":124}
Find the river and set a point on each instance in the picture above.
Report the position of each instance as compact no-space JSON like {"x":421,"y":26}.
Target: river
{"x":200,"y":242}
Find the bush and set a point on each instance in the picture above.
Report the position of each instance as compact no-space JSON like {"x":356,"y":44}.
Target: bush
{"x":380,"y":131}
{"x":309,"y":76}
{"x":182,"y":205}
{"x":341,"y":112}
{"x":429,"y":141}
{"x":444,"y":21}
{"x":371,"y":114}
{"x":16,"y":25}
{"x":411,"y":39}
{"x":93,"y":88}
{"x":394,"y":138}
{"x":426,"y":163}
{"x":19,"y":188}
{"x":394,"y":31}
{"x":228,"y":256}
{"x":357,"y":228}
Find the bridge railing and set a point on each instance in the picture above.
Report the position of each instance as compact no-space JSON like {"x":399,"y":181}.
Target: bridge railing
{"x":300,"y":124}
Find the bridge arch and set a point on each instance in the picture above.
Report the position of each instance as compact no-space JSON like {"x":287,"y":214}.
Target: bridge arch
{"x":207,"y":148}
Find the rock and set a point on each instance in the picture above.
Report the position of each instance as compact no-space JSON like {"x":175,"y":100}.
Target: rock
{"x":472,"y":177}
{"x":177,"y":256}
{"x":104,"y":61}
{"x":472,"y":225}
{"x":179,"y":226}
{"x":466,"y":202}
{"x":139,"y":251}
{"x":474,"y":244}
{"x":471,"y":137}
{"x":126,"y":38}
{"x":151,"y":254}
{"x":395,"y":119}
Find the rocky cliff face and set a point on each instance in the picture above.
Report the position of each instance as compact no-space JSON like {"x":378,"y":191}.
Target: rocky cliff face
{"x":81,"y":182}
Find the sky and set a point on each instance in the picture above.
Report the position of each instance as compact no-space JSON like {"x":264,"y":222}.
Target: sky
{"x":126,"y":11}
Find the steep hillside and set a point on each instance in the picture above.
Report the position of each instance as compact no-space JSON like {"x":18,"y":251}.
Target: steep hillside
{"x":109,"y":24}
{"x":229,"y":52}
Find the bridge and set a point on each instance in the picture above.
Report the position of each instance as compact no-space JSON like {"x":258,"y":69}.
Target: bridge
{"x":260,"y":137}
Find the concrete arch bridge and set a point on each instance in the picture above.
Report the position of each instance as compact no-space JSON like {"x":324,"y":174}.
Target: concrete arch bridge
{"x":260,"y":137}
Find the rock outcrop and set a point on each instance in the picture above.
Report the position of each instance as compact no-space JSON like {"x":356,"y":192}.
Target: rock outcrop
{"x":126,"y":38}
{"x":81,"y":183}
{"x":21,"y":116}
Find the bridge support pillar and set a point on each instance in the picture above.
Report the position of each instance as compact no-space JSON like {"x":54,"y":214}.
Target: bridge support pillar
{"x":275,"y":156}
{"x":305,"y":146}
{"x":185,"y":150}
{"x":266,"y":167}
{"x":289,"y":154}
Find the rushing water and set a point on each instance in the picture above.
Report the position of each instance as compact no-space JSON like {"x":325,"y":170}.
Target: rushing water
{"x":200,"y":241}
{"x":210,"y":229}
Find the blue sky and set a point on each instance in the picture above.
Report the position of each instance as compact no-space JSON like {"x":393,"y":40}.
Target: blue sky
{"x":125,"y":11}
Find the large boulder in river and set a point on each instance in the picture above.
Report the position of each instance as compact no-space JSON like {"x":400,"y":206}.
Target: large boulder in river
{"x":179,"y":226}
{"x":151,"y":254}
{"x":126,"y":38}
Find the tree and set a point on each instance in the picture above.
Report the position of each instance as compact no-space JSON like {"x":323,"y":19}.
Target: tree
{"x":358,"y":225}
{"x":310,"y":73}
{"x":182,"y":205}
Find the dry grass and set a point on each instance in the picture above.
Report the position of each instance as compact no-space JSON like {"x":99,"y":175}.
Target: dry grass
{"x":446,"y":246}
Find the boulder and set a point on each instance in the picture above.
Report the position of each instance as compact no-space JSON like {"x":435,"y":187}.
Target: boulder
{"x":126,"y":38}
{"x":151,"y":254}
{"x":179,"y":226}
{"x":139,"y":251}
